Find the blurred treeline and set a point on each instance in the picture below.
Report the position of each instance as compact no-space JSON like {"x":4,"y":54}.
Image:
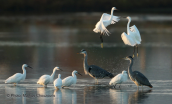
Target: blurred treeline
{"x":58,"y":6}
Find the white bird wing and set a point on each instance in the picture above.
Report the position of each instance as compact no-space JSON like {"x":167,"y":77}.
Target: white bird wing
{"x":117,"y":79}
{"x":136,"y":33}
{"x":44,"y":80}
{"x":67,"y":81}
{"x":114,"y":18}
{"x":127,"y":39}
{"x":15,"y":78}
{"x":104,"y":31}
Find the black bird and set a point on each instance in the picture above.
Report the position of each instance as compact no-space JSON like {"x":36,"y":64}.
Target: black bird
{"x":93,"y":70}
{"x":138,"y":78}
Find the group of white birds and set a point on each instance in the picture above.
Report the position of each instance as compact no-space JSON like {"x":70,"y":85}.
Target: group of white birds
{"x":59,"y":83}
{"x":132,"y":37}
{"x":45,"y":79}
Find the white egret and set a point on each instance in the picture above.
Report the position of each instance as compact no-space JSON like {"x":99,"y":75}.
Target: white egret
{"x":16,"y":78}
{"x":68,"y":81}
{"x":58,"y":82}
{"x":120,"y":78}
{"x":46,"y":79}
{"x":132,"y":37}
{"x":105,"y":20}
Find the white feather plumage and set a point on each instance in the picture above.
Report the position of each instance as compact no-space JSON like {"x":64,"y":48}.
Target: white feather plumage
{"x":105,"y":21}
{"x":58,"y":82}
{"x":120,"y":78}
{"x":132,"y":37}
{"x":46,"y":79}
{"x":68,"y":81}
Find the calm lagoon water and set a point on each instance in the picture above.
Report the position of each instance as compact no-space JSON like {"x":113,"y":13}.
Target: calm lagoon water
{"x":46,"y":42}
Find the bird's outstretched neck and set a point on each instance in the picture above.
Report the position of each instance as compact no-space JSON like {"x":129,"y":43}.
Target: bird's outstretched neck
{"x":52,"y":75}
{"x":85,"y":64}
{"x":111,"y":14}
{"x":24,"y":70}
{"x":128,"y":29}
{"x":130,"y":69}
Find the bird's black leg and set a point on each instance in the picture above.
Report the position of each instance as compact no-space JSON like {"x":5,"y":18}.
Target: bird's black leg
{"x":120,"y":86}
{"x":134,"y":51}
{"x":137,"y":51}
{"x":101,"y":38}
{"x":115,"y":86}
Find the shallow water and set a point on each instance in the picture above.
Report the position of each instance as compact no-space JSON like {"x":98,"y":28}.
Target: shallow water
{"x":44,"y":45}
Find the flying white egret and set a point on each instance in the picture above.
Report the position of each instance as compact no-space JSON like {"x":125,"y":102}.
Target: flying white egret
{"x":105,"y":20}
{"x":132,"y":37}
{"x":16,"y":78}
{"x":46,"y":79}
{"x":58,"y":82}
{"x":68,"y":81}
{"x":120,"y":78}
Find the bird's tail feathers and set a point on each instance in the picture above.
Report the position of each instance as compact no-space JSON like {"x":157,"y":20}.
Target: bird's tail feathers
{"x":150,"y":86}
{"x":6,"y":81}
{"x":111,"y":75}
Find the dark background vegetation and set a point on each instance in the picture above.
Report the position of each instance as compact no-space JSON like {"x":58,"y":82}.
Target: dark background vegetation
{"x":67,"y":6}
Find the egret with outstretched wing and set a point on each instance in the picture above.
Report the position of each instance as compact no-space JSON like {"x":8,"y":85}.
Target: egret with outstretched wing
{"x":132,"y":37}
{"x":105,"y":20}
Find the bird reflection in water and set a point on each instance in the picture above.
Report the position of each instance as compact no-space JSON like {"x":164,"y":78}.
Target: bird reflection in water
{"x":58,"y":96}
{"x":69,"y":96}
{"x":138,"y":96}
{"x":42,"y":91}
{"x":16,"y":93}
{"x":118,"y":96}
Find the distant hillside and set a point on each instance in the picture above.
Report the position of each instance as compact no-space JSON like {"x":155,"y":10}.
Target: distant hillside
{"x":58,"y":6}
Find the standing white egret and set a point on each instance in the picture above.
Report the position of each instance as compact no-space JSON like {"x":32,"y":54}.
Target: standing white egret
{"x":132,"y":37}
{"x":120,"y":78}
{"x":46,"y":79}
{"x":105,"y":20}
{"x":16,"y":78}
{"x":58,"y":82}
{"x":68,"y":81}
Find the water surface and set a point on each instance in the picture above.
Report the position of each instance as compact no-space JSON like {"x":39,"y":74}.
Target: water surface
{"x":44,"y":44}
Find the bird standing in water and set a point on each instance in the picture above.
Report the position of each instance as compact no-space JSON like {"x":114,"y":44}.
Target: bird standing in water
{"x":46,"y":79}
{"x":58,"y":82}
{"x":16,"y":78}
{"x":132,"y":37}
{"x":93,"y":70}
{"x":138,"y":78}
{"x":118,"y":79}
{"x":68,"y":81}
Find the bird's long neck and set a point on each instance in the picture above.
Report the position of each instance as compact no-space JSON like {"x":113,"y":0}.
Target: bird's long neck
{"x":85,"y":64}
{"x":130,"y":72}
{"x":128,"y":29}
{"x":52,"y":75}
{"x":73,"y":74}
{"x":111,"y":15}
{"x":24,"y":72}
